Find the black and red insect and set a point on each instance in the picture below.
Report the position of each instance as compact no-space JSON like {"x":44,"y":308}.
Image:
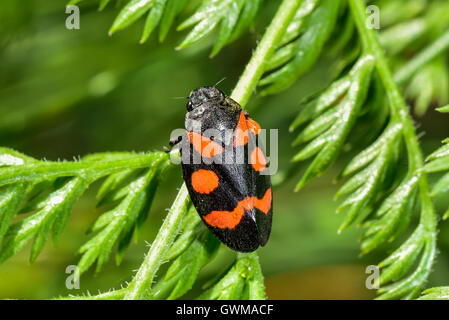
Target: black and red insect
{"x":232,"y":195}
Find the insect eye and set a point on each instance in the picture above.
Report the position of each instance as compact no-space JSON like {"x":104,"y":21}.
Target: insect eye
{"x":189,"y":106}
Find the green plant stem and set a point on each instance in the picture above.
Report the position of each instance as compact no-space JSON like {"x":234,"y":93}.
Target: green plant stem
{"x":431,"y":52}
{"x":93,"y":169}
{"x":142,"y":281}
{"x":256,"y":67}
{"x":399,"y":112}
{"x":111,"y":295}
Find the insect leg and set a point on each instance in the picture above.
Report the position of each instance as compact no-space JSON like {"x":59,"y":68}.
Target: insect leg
{"x":174,"y":141}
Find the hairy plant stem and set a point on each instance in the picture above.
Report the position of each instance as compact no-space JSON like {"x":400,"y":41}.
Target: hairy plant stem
{"x":399,"y":113}
{"x":141,"y":283}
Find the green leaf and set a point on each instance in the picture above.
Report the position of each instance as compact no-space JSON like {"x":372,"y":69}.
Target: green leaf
{"x":365,"y":193}
{"x":140,"y":286}
{"x":75,"y":188}
{"x":329,"y":144}
{"x":442,"y":186}
{"x":287,"y":48}
{"x":243,"y":280}
{"x":201,"y":30}
{"x":443,"y":152}
{"x":130,"y":13}
{"x":444,"y":109}
{"x":91,"y":168}
{"x":411,"y":286}
{"x":325,"y":101}
{"x":50,"y":189}
{"x":111,"y":184}
{"x":437,"y":165}
{"x":298,"y":23}
{"x":174,"y":7}
{"x":9,"y":157}
{"x":188,"y":265}
{"x":437,"y":293}
{"x":227,"y":26}
{"x":429,"y":85}
{"x":317,"y":127}
{"x":397,"y":38}
{"x":39,"y":224}
{"x":369,"y":154}
{"x":364,"y":186}
{"x":393,"y":217}
{"x":10,"y":199}
{"x":119,"y":223}
{"x":103,"y":4}
{"x":304,"y":52}
{"x":446,"y":215}
{"x":190,"y":231}
{"x":231,"y":16}
{"x":246,"y":18}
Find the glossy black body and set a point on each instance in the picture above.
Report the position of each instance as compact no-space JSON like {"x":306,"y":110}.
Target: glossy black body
{"x":210,"y":108}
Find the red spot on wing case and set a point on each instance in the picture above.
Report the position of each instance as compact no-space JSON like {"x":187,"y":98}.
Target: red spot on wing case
{"x":253,"y":126}
{"x":258,"y":160}
{"x":204,"y":146}
{"x":230,"y":219}
{"x":204,"y":181}
{"x":241,"y":132}
{"x":264,"y":204}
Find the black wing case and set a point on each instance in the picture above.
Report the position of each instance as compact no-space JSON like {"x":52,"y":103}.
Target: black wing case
{"x":234,"y":189}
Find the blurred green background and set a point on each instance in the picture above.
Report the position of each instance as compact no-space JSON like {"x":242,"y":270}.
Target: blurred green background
{"x":67,"y":93}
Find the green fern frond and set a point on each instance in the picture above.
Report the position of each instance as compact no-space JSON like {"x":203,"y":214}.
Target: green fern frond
{"x":121,"y":223}
{"x":444,"y":109}
{"x":334,"y":113}
{"x":232,"y":17}
{"x":399,"y":37}
{"x":425,"y":76}
{"x":396,"y":266}
{"x":392,"y":217}
{"x":438,"y":293}
{"x":379,"y":196}
{"x":243,"y":281}
{"x":439,"y":160}
{"x":49,"y":191}
{"x":397,"y":11}
{"x":429,"y":86}
{"x":301,"y":45}
{"x":159,"y":12}
{"x":429,"y":21}
{"x":377,"y":166}
{"x":192,"y":250}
